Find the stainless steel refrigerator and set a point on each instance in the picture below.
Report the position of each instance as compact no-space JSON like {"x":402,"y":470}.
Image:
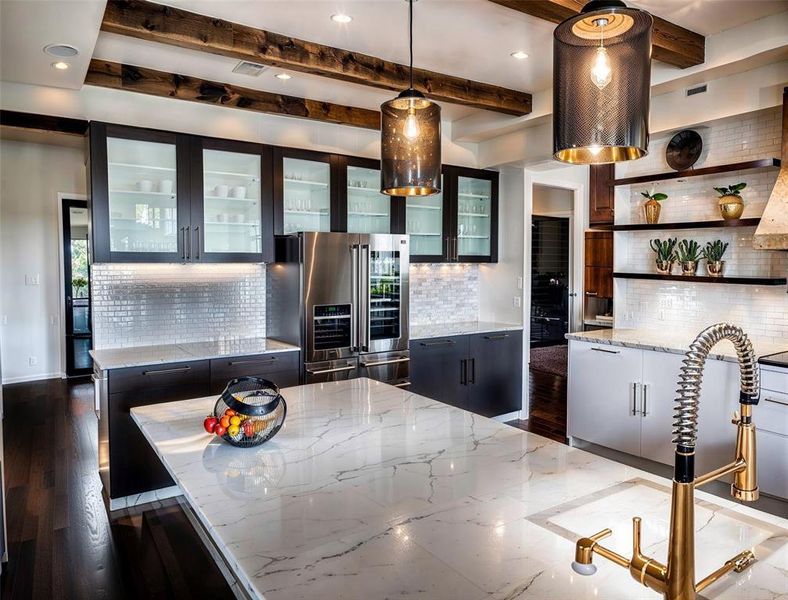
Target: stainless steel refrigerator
{"x":343,"y":298}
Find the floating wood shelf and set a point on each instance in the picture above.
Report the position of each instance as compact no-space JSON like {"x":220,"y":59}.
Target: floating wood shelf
{"x":702,"y":279}
{"x":752,"y":222}
{"x":763,"y":163}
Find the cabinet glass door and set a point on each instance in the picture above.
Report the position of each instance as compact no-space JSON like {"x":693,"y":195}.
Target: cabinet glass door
{"x":368,"y":211}
{"x":424,"y":224}
{"x":474,"y":216}
{"x":143,"y":214}
{"x":307,"y":195}
{"x":231,"y":202}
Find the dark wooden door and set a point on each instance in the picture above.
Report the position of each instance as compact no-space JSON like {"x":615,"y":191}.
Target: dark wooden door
{"x":438,"y":369}
{"x":601,"y":194}
{"x":599,"y":264}
{"x":495,"y":373}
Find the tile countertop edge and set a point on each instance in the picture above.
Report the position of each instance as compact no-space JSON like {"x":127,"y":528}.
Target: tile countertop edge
{"x":649,"y":340}
{"x":424,"y":332}
{"x":141,"y":356}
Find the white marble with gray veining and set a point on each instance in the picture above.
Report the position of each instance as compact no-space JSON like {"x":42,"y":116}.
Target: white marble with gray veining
{"x":675,"y":342}
{"x":119,"y":358}
{"x":422,"y":332}
{"x":370,"y":491}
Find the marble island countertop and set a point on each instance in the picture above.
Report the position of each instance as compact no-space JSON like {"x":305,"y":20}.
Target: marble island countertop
{"x":675,"y":342}
{"x":119,"y":358}
{"x":370,"y":491}
{"x":423,"y":332}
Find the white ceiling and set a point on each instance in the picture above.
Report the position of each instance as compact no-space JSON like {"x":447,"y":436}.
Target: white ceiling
{"x":465,"y":38}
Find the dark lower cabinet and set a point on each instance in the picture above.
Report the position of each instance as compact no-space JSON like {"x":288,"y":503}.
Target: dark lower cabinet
{"x":481,"y":373}
{"x":128,"y":463}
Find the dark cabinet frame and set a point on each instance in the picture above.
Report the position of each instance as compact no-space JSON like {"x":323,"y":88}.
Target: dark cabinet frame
{"x":397,"y":216}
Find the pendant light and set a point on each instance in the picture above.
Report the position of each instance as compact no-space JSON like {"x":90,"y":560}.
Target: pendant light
{"x":410,"y":151}
{"x":602,"y":84}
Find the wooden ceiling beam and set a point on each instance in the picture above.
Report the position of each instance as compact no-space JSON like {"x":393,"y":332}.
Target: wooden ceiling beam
{"x":670,"y":43}
{"x":129,"y":78}
{"x":177,"y":27}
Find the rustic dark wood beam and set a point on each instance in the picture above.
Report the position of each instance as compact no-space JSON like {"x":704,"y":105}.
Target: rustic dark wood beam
{"x":48,"y":123}
{"x":671,"y":43}
{"x":129,"y":78}
{"x":177,"y":27}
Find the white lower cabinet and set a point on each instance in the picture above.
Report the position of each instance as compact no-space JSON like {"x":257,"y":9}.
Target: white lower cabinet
{"x":624,"y":398}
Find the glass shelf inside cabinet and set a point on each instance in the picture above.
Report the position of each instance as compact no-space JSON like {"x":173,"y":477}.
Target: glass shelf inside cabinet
{"x":384,"y":295}
{"x":368,"y":210}
{"x":143,"y":214}
{"x":474,"y":210}
{"x":424,"y":223}
{"x":307,"y":197}
{"x":231,"y":202}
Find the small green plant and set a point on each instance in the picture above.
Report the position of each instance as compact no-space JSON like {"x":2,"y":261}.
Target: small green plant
{"x":689,"y":251}
{"x":666,"y":250}
{"x":714,"y":251}
{"x":79,"y":284}
{"x":650,"y":195}
{"x":732,"y":190}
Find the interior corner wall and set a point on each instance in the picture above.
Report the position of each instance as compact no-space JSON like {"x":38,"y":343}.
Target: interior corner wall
{"x":31,"y":175}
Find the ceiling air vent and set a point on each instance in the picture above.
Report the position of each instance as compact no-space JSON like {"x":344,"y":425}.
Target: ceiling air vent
{"x":249,"y":68}
{"x":698,"y":89}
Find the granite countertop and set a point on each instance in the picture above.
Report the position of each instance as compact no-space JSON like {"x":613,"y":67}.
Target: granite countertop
{"x":119,"y":358}
{"x":421,"y":332}
{"x":370,"y":491}
{"x":675,"y":342}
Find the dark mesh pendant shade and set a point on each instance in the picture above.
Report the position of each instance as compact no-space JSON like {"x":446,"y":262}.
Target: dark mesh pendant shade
{"x":410,"y":146}
{"x":593,"y":125}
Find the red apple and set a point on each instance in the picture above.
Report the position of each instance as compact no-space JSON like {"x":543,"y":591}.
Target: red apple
{"x":220,"y":430}
{"x":210,"y":423}
{"x":248,"y":428}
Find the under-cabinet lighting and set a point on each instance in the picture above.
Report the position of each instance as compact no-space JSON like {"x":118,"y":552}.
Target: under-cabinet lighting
{"x":283,"y":76}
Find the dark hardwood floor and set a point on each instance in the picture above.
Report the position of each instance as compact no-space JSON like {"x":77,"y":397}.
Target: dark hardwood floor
{"x":61,"y":543}
{"x":547,"y":416}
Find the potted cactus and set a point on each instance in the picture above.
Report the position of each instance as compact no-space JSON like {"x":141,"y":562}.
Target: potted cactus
{"x":713,"y":253}
{"x":730,"y":202}
{"x":689,"y":253}
{"x":652,"y":207}
{"x":666,"y":254}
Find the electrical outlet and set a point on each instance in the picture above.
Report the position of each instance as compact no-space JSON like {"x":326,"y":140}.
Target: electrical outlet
{"x":519,"y":283}
{"x":33,"y":360}
{"x":518,"y":301}
{"x":32,"y":279}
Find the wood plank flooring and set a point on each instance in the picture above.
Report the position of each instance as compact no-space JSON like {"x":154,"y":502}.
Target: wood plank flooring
{"x":547,"y":416}
{"x":61,"y":543}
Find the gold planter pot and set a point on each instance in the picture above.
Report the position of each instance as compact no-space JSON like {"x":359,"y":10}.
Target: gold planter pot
{"x":664,"y":267}
{"x":652,"y":209}
{"x":714,"y":268}
{"x":689,"y":267}
{"x":731,"y":207}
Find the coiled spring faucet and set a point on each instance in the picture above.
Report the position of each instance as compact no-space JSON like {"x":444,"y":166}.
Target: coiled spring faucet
{"x":676,"y":579}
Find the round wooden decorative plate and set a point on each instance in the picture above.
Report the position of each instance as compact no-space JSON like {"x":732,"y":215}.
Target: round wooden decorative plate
{"x":684,"y":149}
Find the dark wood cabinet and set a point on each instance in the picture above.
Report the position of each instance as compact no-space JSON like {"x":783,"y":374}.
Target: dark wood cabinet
{"x":481,"y":373}
{"x":599,"y":264}
{"x":281,"y":369}
{"x":363,"y":208}
{"x":601,"y":194}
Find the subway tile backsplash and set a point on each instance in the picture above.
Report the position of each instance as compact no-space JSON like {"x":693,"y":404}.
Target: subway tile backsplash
{"x":143,"y":305}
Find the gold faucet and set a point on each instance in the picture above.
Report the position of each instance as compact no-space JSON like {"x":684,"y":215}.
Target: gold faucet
{"x":676,"y":579}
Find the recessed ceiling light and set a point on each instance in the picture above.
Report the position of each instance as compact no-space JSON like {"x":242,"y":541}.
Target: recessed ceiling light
{"x":283,"y":76}
{"x":341,"y":18}
{"x":520,"y":55}
{"x":61,"y":50}
{"x":60,"y":65}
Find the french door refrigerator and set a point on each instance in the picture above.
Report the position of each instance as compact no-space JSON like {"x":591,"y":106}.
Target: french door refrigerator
{"x":343,"y":297}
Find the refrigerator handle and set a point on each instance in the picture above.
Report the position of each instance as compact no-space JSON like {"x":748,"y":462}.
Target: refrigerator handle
{"x":355,"y":297}
{"x":363,"y":312}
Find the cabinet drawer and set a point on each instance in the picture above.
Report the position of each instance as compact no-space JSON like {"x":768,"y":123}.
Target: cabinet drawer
{"x":774,"y":380}
{"x":262,"y":365}
{"x":773,"y":464}
{"x":183,"y":374}
{"x":771,"y":414}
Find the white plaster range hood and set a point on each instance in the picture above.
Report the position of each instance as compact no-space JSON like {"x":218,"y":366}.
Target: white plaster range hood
{"x":772,"y":232}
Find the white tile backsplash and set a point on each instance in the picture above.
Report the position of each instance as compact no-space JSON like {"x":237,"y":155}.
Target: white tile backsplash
{"x":443,"y":293}
{"x":761,"y":311}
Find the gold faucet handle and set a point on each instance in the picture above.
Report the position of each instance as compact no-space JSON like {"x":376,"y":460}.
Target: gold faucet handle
{"x":636,"y":536}
{"x":736,"y":418}
{"x":601,"y":535}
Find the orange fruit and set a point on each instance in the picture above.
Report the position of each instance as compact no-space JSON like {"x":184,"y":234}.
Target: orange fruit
{"x":225,"y":422}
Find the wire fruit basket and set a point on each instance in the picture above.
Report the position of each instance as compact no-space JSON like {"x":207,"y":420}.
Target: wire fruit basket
{"x":249,"y":412}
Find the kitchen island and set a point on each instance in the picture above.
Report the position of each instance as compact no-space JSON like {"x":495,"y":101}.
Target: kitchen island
{"x":370,"y":491}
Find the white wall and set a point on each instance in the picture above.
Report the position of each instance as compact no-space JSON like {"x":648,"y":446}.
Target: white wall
{"x":550,"y":201}
{"x":31,"y":175}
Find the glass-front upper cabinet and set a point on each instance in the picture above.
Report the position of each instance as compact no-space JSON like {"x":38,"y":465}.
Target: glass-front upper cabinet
{"x":474,"y":202}
{"x":366,"y":209}
{"x":303,"y":191}
{"x":232,"y":213}
{"x":425,"y":220}
{"x":139,"y":194}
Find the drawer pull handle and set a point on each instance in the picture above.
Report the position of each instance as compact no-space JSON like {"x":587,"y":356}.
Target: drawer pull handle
{"x":606,"y":351}
{"x":385,"y":362}
{"x":402,"y":384}
{"x":775,"y":401}
{"x":501,"y":336}
{"x":441,"y":343}
{"x":634,"y":399}
{"x":334,"y":370}
{"x":590,"y":293}
{"x":167,"y":371}
{"x":233,"y":363}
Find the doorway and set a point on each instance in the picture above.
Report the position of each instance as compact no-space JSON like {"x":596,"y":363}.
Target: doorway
{"x":76,"y":288}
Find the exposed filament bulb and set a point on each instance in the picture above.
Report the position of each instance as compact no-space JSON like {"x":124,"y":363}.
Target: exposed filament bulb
{"x":601,"y":72}
{"x":411,"y":129}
